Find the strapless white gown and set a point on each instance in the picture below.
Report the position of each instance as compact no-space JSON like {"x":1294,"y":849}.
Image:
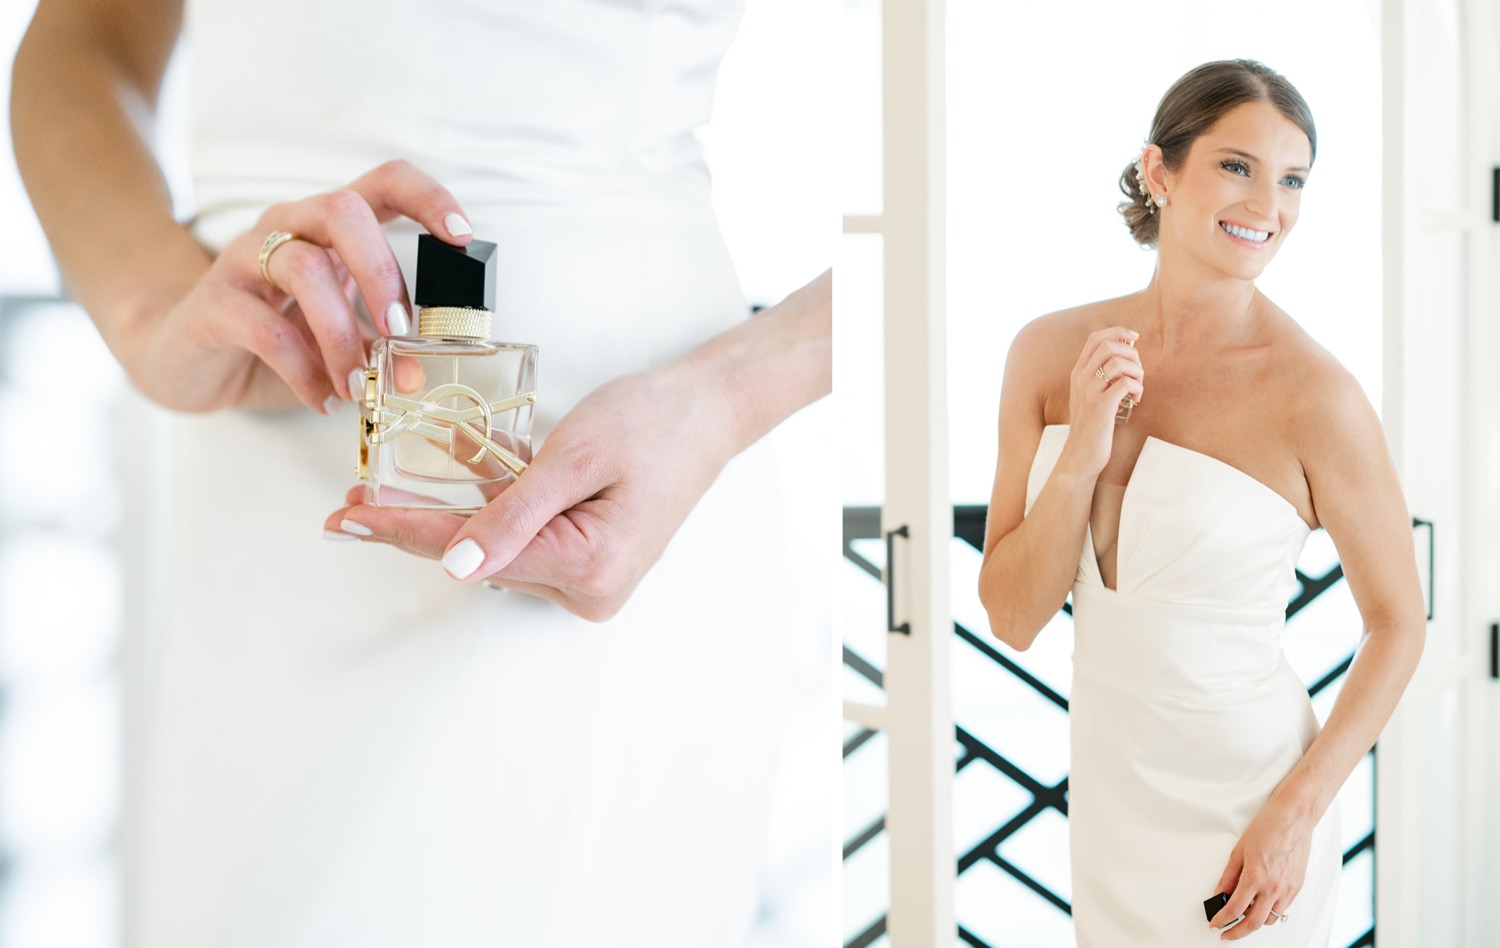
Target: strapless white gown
{"x":1185,"y":713}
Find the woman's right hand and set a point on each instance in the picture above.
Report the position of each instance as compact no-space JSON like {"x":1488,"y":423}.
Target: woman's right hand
{"x":235,"y":340}
{"x":1093,"y":401}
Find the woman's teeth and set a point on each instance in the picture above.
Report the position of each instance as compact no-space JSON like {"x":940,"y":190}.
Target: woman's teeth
{"x":1254,"y":236}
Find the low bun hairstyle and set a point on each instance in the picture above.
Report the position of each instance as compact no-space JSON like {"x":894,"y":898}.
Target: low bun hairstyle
{"x":1190,"y":108}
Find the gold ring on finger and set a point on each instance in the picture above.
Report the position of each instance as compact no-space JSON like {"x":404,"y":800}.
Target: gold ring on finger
{"x":1099,"y":371}
{"x":1280,"y":916}
{"x":267,"y":247}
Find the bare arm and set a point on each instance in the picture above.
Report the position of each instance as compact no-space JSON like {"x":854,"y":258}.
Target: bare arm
{"x":1358,"y":500}
{"x":772,"y":364}
{"x":1031,"y":559}
{"x":196,"y":331}
{"x":83,"y":100}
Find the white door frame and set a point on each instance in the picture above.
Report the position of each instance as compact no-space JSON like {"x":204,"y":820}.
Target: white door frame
{"x":1466,"y":597}
{"x":917,"y":515}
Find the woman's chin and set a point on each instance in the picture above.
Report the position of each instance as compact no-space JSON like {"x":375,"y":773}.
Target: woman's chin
{"x":1249,"y":273}
{"x":1248,"y":270}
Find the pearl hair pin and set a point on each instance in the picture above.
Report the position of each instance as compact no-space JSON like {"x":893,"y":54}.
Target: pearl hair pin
{"x":1160,"y":200}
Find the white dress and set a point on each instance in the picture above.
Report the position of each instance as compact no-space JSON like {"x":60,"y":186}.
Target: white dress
{"x":342,"y":746}
{"x":1185,"y":714}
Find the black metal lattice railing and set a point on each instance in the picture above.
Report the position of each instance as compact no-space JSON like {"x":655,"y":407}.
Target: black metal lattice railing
{"x":863,"y":523}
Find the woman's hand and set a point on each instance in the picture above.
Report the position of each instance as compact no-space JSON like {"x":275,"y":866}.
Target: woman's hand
{"x":1266,"y":870}
{"x":235,"y":340}
{"x":1093,"y":401}
{"x":194,"y":332}
{"x":621,"y":471}
{"x":592,"y":513}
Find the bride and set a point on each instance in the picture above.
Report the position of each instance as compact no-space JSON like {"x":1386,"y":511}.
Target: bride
{"x":1198,"y":768}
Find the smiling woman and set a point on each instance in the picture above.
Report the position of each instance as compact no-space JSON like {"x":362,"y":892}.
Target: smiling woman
{"x":1200,"y":780}
{"x":1188,"y":124}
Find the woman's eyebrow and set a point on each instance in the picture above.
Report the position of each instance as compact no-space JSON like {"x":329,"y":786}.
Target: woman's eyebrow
{"x":1245,"y":154}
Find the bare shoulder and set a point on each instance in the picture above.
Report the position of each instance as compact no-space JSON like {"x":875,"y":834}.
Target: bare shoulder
{"x":1065,"y":330}
{"x":1353,"y":482}
{"x":1043,"y":336}
{"x":1333,"y":428}
{"x":1321,"y":401}
{"x":1043,"y":353}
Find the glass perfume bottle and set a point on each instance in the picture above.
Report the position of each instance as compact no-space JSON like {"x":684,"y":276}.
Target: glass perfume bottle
{"x":1122,"y":414}
{"x":445,"y":416}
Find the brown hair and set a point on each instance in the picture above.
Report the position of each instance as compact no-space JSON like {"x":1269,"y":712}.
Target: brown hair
{"x":1190,"y":108}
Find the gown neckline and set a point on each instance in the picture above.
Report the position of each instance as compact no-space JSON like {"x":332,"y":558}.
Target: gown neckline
{"x":1260,"y":485}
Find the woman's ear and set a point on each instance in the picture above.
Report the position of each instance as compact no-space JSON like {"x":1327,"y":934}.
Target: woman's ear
{"x":1157,"y":175}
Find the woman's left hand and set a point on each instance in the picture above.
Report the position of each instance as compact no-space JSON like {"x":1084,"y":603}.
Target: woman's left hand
{"x":1266,"y":870}
{"x":621,"y":471}
{"x":596,"y":507}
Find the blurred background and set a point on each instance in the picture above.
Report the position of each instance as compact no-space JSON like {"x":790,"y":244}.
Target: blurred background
{"x":65,"y":655}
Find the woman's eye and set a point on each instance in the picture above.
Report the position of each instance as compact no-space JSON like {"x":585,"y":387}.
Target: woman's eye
{"x":1237,"y":167}
{"x":1294,"y":182}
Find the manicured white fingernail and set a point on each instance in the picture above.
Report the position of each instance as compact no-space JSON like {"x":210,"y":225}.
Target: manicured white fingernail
{"x":331,"y":404}
{"x":396,"y":320}
{"x":457,"y":226}
{"x":463,"y":560}
{"x":356,"y":384}
{"x":358,"y":529}
{"x":336,"y":535}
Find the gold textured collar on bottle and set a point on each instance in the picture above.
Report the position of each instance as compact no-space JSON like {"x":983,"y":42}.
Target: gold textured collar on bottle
{"x":454,"y":322}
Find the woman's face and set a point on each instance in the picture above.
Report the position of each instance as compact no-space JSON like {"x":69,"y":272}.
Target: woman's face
{"x":1237,"y":194}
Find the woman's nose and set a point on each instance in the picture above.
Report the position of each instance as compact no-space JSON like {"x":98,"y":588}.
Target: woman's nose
{"x":1263,"y":201}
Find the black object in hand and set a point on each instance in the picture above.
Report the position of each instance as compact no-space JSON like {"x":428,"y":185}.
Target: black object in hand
{"x":1212,"y":905}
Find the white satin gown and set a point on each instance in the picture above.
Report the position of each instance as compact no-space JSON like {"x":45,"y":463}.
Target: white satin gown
{"x":338,"y":744}
{"x":1185,"y":713}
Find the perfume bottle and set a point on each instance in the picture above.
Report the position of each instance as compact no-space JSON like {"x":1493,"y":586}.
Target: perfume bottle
{"x":445,"y":416}
{"x":1122,"y":414}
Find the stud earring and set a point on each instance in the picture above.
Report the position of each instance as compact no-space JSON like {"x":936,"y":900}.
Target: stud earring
{"x":1161,"y":200}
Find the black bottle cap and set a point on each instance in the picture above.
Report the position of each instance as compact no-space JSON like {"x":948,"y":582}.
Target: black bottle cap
{"x":455,"y":276}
